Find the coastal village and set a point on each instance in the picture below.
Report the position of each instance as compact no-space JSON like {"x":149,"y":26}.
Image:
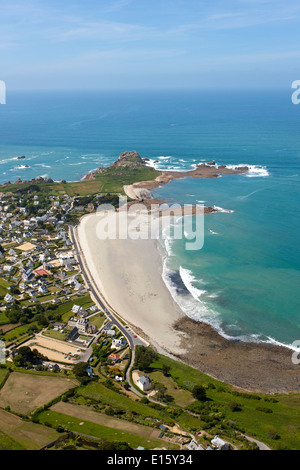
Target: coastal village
{"x":72,"y":364}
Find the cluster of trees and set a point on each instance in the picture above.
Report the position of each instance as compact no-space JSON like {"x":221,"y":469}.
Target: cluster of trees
{"x":80,"y":372}
{"x":37,"y":313}
{"x":144,"y":357}
{"x":44,"y":202}
{"x":199,"y":393}
{"x":100,"y":352}
{"x":29,"y":189}
{"x":112,"y":199}
{"x":101,"y":444}
{"x":161,"y":394}
{"x":26,"y":357}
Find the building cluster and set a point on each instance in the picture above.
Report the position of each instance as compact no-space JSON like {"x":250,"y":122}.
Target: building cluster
{"x":216,"y":444}
{"x":36,"y":257}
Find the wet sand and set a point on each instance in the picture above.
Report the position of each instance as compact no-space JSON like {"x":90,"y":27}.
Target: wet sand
{"x":255,"y":367}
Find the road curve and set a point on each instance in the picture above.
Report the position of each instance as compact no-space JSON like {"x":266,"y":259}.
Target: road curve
{"x":94,"y":290}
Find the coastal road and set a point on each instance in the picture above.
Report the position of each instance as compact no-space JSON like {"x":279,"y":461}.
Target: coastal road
{"x":132,"y":339}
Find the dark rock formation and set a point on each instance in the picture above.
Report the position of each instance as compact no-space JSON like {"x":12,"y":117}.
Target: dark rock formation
{"x":129,"y":159}
{"x":242,"y":168}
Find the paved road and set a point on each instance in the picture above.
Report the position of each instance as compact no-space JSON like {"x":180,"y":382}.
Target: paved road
{"x":132,"y":339}
{"x":260,"y":445}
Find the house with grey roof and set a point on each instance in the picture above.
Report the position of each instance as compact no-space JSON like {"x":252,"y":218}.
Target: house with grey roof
{"x":144,"y":383}
{"x":220,"y":444}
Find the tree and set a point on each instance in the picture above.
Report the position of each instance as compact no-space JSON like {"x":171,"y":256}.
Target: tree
{"x":80,"y":369}
{"x":14,"y":290}
{"x":199,"y":393}
{"x":166,"y":370}
{"x":234,"y":406}
{"x":41,"y":319}
{"x":161,"y":394}
{"x":272,"y":434}
{"x":144,"y":357}
{"x":26,"y":356}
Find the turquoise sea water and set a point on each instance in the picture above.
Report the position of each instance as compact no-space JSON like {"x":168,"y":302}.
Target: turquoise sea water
{"x":246,"y":279}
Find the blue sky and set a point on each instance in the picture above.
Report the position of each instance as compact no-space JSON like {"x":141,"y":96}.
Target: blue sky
{"x":129,"y":44}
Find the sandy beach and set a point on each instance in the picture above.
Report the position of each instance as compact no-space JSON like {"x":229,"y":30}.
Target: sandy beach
{"x":129,"y":275}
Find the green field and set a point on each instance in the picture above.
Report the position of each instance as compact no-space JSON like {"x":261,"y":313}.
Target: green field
{"x":98,"y":391}
{"x":97,"y":320}
{"x":111,"y":181}
{"x":3,"y":318}
{"x":16,"y":434}
{"x":259,"y":414}
{"x":7,"y":443}
{"x":65,"y":309}
{"x":181,"y":396}
{"x":55,"y":334}
{"x":71,"y":423}
{"x":102,"y":394}
{"x":18,"y":332}
{"x":3,"y":376}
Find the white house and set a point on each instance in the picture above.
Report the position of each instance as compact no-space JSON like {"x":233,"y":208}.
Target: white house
{"x":220,"y":444}
{"x":78,"y":310}
{"x":43,"y":289}
{"x":9,"y":298}
{"x":8,"y":268}
{"x":119,"y":342}
{"x":193,"y":445}
{"x":82,"y":324}
{"x":66,"y":258}
{"x":111,"y":333}
{"x":75,"y":308}
{"x":144,"y":383}
{"x":27,"y":274}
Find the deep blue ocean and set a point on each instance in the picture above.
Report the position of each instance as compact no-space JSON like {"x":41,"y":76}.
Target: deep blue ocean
{"x":246,"y":279}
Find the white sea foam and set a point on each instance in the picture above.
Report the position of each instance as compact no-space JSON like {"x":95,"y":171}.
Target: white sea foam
{"x":196,"y":309}
{"x":188,"y":279}
{"x":192,"y":307}
{"x":6,"y":160}
{"x":255,"y":171}
{"x":278,"y":343}
{"x":92,"y":155}
{"x":152,"y":163}
{"x":20,"y":167}
{"x":220,"y":209}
